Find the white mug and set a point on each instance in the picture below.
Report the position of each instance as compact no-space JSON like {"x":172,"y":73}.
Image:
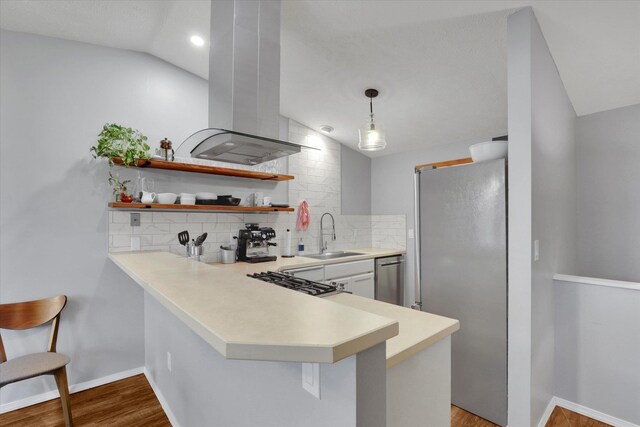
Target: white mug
{"x":147,"y":197}
{"x":255,"y":199}
{"x":266,"y":201}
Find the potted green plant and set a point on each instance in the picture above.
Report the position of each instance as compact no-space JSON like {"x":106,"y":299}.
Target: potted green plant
{"x":120,"y":141}
{"x":120,"y":188}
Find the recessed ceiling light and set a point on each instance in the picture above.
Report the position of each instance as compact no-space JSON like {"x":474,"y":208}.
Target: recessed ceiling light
{"x":197,"y":40}
{"x":326,"y":128}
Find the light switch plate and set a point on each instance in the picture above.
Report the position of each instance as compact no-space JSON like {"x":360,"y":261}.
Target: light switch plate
{"x":311,"y":378}
{"x":410,"y":233}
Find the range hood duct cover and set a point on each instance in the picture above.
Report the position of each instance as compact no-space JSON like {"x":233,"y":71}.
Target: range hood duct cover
{"x":244,"y":86}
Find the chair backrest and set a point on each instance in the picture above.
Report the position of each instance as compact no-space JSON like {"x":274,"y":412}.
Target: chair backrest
{"x":29,"y":314}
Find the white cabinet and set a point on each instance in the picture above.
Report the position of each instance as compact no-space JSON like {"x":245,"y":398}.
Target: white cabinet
{"x":356,"y":277}
{"x":310,"y":273}
{"x":348,"y":269}
{"x":363,"y":285}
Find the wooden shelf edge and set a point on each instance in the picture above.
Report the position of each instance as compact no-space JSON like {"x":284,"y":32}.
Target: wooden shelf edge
{"x":211,"y":170}
{"x":446,"y":163}
{"x":202,"y":208}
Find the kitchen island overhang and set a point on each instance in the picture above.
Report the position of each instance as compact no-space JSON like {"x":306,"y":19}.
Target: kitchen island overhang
{"x":220,"y":314}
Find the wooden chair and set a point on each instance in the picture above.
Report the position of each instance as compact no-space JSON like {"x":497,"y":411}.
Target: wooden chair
{"x":26,"y":315}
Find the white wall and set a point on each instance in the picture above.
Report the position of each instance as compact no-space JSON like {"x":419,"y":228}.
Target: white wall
{"x":56,"y":95}
{"x":395,"y":196}
{"x":542,"y":206}
{"x":203,"y":388}
{"x":597,"y":348}
{"x":609,"y":194}
{"x":519,"y":227}
{"x":554,"y":208}
{"x":355,"y":171}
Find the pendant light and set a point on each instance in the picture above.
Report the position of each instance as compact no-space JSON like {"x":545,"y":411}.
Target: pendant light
{"x":371,"y":135}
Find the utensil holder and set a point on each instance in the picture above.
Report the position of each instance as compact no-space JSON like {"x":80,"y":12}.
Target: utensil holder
{"x":194,"y":251}
{"x":228,"y":256}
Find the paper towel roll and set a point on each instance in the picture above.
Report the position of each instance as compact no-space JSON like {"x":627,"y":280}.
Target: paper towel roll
{"x":287,"y":248}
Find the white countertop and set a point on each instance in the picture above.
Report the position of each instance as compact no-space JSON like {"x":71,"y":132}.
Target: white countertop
{"x":243,"y":318}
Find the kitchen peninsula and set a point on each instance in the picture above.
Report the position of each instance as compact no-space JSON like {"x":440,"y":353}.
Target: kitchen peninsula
{"x":199,"y":317}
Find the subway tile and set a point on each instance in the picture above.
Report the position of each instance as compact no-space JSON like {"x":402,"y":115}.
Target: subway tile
{"x":191,"y":228}
{"x":216,"y":227}
{"x":153,"y":228}
{"x":201,"y":217}
{"x":170,"y":217}
{"x":115,"y":229}
{"x":164,"y":239}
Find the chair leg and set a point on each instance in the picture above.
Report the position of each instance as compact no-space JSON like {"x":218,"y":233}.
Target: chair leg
{"x":63,"y":388}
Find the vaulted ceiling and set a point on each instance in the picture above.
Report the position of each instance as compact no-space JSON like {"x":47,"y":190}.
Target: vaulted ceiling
{"x":440,"y":66}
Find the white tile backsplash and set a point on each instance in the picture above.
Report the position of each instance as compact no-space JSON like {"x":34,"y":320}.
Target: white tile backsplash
{"x":317,"y":180}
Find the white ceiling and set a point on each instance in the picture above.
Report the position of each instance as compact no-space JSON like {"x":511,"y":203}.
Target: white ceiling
{"x":440,"y":66}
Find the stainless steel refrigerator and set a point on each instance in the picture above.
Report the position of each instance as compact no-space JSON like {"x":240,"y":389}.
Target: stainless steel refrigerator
{"x":461,"y":221}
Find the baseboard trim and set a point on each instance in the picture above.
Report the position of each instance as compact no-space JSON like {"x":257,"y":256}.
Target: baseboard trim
{"x":547,"y":412}
{"x":74,"y":388}
{"x":582,"y":410}
{"x":163,"y":402}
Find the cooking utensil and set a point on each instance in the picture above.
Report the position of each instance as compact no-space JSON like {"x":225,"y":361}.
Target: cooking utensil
{"x":206,"y":196}
{"x":221,"y":200}
{"x":228,"y":255}
{"x":200,"y":240}
{"x":183,"y":237}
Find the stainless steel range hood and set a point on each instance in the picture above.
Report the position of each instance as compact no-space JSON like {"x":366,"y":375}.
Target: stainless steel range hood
{"x":244,"y":86}
{"x":236,"y":147}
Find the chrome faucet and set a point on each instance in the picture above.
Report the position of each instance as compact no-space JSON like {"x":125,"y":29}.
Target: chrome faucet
{"x":323,"y":244}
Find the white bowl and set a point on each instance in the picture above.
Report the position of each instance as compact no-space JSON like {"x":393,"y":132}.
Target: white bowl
{"x":489,"y":150}
{"x":206,"y":196}
{"x":187,"y":200}
{"x":166,"y":198}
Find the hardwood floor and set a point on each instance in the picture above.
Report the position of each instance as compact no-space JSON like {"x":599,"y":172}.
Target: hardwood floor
{"x":131,"y":402}
{"x":128,"y":402}
{"x":462,"y":418}
{"x":561,"y":417}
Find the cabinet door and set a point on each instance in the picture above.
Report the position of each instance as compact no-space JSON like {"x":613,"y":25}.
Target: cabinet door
{"x":363,"y":285}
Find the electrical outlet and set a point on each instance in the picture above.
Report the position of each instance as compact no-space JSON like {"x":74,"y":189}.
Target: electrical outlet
{"x":168,"y":361}
{"x":311,"y":378}
{"x":135,"y":219}
{"x":135,"y":243}
{"x":536,"y":250}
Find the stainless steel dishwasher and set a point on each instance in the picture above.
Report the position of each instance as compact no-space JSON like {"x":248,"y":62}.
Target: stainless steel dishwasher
{"x":389,"y":281}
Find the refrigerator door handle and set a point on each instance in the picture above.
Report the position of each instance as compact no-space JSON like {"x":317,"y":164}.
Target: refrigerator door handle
{"x":416,"y":240}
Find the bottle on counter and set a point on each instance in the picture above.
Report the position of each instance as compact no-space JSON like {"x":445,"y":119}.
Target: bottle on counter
{"x":300,"y":247}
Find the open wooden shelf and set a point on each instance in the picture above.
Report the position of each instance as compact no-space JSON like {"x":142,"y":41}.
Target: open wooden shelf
{"x":197,"y":208}
{"x":446,"y":163}
{"x":211,"y":170}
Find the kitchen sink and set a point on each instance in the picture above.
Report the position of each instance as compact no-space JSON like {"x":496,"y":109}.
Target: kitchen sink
{"x":332,"y":255}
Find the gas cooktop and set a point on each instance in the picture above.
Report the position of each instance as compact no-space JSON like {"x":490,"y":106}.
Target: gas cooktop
{"x":296,"y":283}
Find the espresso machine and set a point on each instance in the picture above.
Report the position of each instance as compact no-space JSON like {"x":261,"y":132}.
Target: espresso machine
{"x":253,"y":243}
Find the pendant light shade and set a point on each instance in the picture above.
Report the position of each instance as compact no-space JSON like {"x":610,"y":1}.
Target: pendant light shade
{"x":371,"y":135}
